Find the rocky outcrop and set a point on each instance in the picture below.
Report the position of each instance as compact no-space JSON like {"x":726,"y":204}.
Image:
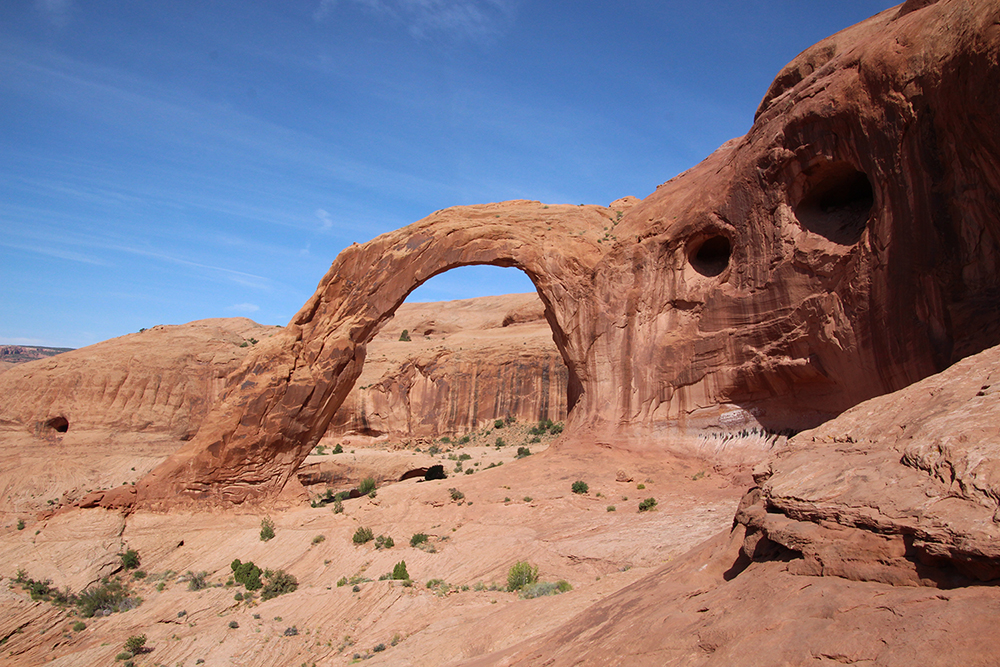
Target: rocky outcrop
{"x":846,"y":247}
{"x":902,"y":489}
{"x":163,"y":379}
{"x":467,"y":363}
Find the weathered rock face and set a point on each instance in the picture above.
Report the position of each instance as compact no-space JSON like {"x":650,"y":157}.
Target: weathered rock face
{"x":847,"y":246}
{"x":164,"y":379}
{"x":901,"y":489}
{"x":467,"y":363}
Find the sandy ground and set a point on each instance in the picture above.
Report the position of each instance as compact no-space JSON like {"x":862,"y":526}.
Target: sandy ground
{"x":523,"y":509}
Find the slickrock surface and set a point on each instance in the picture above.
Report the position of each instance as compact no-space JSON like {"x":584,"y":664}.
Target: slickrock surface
{"x":847,"y":246}
{"x":467,"y":363}
{"x":164,"y":379}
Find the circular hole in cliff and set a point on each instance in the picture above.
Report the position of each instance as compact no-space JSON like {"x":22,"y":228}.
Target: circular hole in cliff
{"x":710,"y":257}
{"x":58,"y":424}
{"x":837,"y":202}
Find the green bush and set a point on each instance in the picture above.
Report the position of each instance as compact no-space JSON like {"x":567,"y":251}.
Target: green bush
{"x":456,"y":494}
{"x":79,"y":626}
{"x":338,"y":506}
{"x":233,"y":625}
{"x":318,"y":539}
{"x":130,"y":559}
{"x":520,"y":575}
{"x":363,"y":535}
{"x":405,"y":336}
{"x":247,"y":574}
{"x":522,"y":452}
{"x":279,"y":582}
{"x":399,"y":571}
{"x":611,"y":508}
{"x":418,"y":538}
{"x":498,"y":423}
{"x":124,"y":655}
{"x":108,"y":596}
{"x":20,"y":524}
{"x":342,"y":582}
{"x":367,"y":486}
{"x":338,"y":449}
{"x":266,"y":529}
{"x":647,"y":504}
{"x":384,"y":542}
{"x":135,"y":644}
{"x":580,"y":486}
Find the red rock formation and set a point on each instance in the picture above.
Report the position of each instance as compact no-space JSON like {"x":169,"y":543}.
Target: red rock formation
{"x":847,"y":246}
{"x":164,"y":379}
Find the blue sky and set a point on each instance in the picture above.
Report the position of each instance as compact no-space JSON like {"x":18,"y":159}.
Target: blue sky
{"x":162,"y":162}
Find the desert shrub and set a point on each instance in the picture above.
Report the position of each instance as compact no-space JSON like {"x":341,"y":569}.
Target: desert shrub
{"x":367,"y":486}
{"x":363,"y":535}
{"x":528,"y":499}
{"x":464,"y":440}
{"x":399,"y":571}
{"x":378,"y":648}
{"x":106,"y":597}
{"x":139,"y":574}
{"x":278,"y":583}
{"x":124,"y":655}
{"x":356,"y":589}
{"x":384,"y":542}
{"x":500,"y":443}
{"x":498,"y":423}
{"x":456,"y":494}
{"x":579,"y":486}
{"x":469,"y":472}
{"x":647,"y":504}
{"x":320,"y":450}
{"x":520,"y":575}
{"x":130,"y":559}
{"x":266,"y":529}
{"x":640,"y":486}
{"x":611,"y":508}
{"x":418,"y":538}
{"x":338,"y":506}
{"x":238,"y":597}
{"x":79,"y":626}
{"x":338,"y":449}
{"x":405,"y":336}
{"x":439,"y":586}
{"x":233,"y":625}
{"x":318,"y":539}
{"x":535,"y":440}
{"x":196,"y":581}
{"x":522,"y":452}
{"x":20,"y":524}
{"x":341,"y":582}
{"x":291,"y":632}
{"x":135,"y":644}
{"x":464,"y":457}
{"x":247,"y":574}
{"x":433,"y":450}
{"x":543,"y":588}
{"x":556,"y":429}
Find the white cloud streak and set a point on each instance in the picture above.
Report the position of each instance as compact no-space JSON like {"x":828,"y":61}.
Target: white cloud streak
{"x":468,"y":19}
{"x":244,"y":308}
{"x":57,"y":12}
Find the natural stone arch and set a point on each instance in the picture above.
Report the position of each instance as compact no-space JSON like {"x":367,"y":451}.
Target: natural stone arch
{"x":278,"y":404}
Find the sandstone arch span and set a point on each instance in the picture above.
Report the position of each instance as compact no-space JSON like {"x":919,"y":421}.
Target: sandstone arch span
{"x":847,"y":246}
{"x":281,"y":400}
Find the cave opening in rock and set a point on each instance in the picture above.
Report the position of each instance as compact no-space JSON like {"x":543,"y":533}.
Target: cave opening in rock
{"x":58,"y":424}
{"x":471,"y":345}
{"x":836,"y":203}
{"x":710,"y":257}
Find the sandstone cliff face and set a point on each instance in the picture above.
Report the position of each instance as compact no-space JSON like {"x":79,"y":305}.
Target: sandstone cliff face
{"x":467,"y":364}
{"x":847,"y":246}
{"x":164,"y":379}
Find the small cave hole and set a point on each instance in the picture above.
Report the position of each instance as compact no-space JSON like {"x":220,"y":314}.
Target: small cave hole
{"x":58,"y":424}
{"x":837,"y":203}
{"x":711,"y":256}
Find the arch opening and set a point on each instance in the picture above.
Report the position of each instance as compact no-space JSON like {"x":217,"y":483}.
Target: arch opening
{"x":710,"y":257}
{"x":464,"y":347}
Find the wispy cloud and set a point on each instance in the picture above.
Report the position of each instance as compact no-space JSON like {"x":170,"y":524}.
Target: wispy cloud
{"x":468,"y":19}
{"x":326,"y":222}
{"x":244,"y":308}
{"x":56,"y":11}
